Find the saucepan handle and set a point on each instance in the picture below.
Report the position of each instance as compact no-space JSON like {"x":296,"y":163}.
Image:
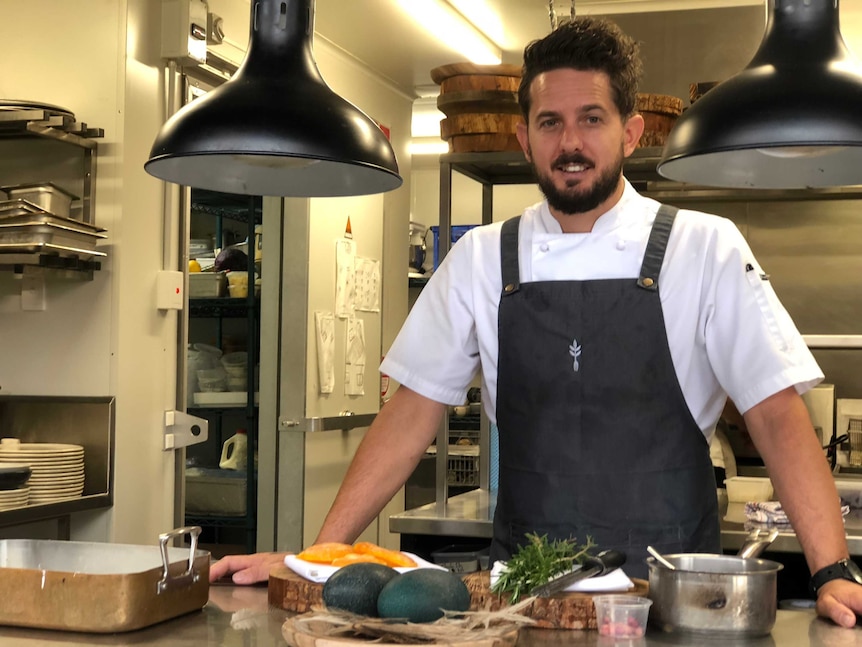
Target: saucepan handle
{"x":190,"y":575}
{"x":757,"y":541}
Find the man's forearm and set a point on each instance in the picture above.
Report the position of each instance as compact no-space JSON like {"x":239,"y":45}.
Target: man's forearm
{"x":781,"y":429}
{"x":387,"y":456}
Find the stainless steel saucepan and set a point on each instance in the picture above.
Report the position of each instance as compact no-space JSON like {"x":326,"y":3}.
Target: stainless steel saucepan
{"x":720,"y":595}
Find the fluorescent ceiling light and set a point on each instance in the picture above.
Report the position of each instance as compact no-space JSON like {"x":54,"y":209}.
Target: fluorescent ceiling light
{"x":453,"y":29}
{"x":484,"y":17}
{"x":428,"y":146}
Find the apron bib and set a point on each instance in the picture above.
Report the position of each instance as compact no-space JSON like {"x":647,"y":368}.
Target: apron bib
{"x":596,"y":439}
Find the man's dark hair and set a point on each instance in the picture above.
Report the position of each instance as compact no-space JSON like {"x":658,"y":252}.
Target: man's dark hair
{"x":586,"y":44}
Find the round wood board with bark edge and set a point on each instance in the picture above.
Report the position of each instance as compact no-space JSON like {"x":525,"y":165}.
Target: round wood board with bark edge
{"x":307,"y":635}
{"x":567,"y":610}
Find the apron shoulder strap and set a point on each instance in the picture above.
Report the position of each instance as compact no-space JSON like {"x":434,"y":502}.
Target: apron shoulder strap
{"x":656,"y":247}
{"x":509,"y":268}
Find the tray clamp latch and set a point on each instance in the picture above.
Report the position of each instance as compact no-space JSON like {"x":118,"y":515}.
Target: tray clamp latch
{"x":191,"y":575}
{"x":182,"y":430}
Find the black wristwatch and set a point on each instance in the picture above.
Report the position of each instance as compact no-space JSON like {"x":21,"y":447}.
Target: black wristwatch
{"x":846,"y":569}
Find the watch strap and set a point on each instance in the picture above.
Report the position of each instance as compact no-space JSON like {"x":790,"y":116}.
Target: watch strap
{"x":845,"y":569}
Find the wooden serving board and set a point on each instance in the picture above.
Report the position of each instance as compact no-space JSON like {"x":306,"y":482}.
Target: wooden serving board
{"x":569,"y":610}
{"x":292,"y":592}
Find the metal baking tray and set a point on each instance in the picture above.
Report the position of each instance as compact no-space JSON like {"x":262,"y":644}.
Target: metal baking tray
{"x":48,"y":238}
{"x":20,"y":211}
{"x":45,"y":218}
{"x":101,"y":588}
{"x":49,"y":224}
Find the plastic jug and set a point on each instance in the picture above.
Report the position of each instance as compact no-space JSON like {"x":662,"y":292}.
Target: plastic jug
{"x":234,"y":452}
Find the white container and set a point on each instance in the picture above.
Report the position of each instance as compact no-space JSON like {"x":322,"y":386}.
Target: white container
{"x":237,"y":284}
{"x":212,"y":379}
{"x":234,"y":452}
{"x":235,"y":363}
{"x":742,"y":489}
{"x":237,"y":383}
{"x":209,"y":493}
{"x":206,"y":284}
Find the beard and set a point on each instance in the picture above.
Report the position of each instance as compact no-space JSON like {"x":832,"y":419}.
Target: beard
{"x":571,"y":200}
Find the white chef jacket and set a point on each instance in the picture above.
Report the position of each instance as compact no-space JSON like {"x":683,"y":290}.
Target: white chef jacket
{"x":728,"y":333}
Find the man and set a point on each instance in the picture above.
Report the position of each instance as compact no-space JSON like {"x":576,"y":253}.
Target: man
{"x":609,"y":332}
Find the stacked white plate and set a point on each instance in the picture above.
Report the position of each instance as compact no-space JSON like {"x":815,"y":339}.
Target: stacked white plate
{"x":57,"y":469}
{"x":16,"y":498}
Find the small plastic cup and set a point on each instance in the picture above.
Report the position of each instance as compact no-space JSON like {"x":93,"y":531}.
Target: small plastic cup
{"x":621,"y":617}
{"x":236,"y":364}
{"x":237,"y":284}
{"x":212,"y":380}
{"x":236,"y":383}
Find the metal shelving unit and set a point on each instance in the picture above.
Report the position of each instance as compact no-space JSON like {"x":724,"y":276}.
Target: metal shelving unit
{"x":43,"y":139}
{"x":245,"y":210}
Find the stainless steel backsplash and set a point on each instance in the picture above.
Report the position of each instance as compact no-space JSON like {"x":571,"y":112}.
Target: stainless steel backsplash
{"x":811,"y":247}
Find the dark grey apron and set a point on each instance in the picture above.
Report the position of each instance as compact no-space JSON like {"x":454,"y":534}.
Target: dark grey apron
{"x":596,"y":439}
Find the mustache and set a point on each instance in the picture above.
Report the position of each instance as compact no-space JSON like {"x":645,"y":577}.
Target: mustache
{"x":575,"y":158}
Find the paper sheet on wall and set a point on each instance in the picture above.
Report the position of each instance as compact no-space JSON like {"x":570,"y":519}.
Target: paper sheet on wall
{"x":368,"y":284}
{"x":324,"y":327}
{"x":345,"y":277}
{"x":354,"y":357}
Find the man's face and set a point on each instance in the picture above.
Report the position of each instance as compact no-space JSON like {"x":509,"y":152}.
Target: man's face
{"x":576,"y":141}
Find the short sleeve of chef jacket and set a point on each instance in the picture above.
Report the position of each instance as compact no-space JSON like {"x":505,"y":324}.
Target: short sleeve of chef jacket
{"x":728,"y":333}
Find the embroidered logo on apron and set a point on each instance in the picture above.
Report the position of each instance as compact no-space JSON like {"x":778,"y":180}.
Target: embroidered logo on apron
{"x":575,"y":352}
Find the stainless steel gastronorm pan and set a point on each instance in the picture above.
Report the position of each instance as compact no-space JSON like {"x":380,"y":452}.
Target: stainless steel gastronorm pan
{"x":48,"y":238}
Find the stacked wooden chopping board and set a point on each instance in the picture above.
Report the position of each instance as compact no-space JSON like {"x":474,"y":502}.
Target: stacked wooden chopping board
{"x":569,"y":610}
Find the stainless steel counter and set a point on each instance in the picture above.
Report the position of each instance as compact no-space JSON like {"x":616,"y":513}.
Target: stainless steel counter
{"x":470,"y":514}
{"x":240,"y":616}
{"x":234,"y":615}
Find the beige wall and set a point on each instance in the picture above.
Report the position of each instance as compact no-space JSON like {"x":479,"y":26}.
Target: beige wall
{"x":103,"y":337}
{"x":100,"y":59}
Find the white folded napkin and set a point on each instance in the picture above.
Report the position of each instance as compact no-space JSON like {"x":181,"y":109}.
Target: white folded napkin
{"x":320,"y":572}
{"x":772,"y":513}
{"x":616,"y":580}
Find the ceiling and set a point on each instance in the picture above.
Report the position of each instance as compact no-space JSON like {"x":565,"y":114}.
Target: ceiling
{"x":381,"y":35}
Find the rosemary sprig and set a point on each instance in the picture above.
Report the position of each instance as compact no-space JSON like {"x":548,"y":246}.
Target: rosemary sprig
{"x":536,"y":562}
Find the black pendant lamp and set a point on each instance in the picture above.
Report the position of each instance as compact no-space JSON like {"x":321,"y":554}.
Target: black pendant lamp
{"x":791,"y":119}
{"x":275,"y":128}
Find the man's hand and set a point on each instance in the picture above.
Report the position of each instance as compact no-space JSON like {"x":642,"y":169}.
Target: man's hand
{"x":246,"y":569}
{"x":840,"y":600}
